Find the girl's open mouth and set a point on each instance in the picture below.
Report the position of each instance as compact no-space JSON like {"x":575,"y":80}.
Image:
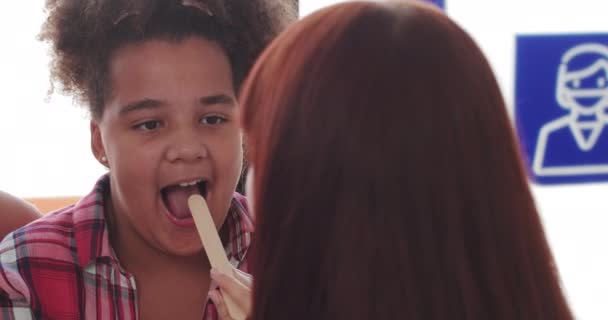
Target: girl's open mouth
{"x":175,"y":198}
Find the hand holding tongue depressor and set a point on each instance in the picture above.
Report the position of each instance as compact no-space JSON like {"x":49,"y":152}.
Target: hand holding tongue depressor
{"x":213,"y":246}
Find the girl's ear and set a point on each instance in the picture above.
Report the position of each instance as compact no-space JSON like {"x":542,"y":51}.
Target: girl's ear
{"x":97,"y":144}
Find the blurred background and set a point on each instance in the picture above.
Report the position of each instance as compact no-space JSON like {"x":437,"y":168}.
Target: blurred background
{"x":45,"y":152}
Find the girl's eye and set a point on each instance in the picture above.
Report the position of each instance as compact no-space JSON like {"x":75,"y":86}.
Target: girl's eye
{"x":212,"y":120}
{"x":148,"y":125}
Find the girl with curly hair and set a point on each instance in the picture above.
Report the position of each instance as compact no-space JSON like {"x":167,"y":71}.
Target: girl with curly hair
{"x":160,"y":79}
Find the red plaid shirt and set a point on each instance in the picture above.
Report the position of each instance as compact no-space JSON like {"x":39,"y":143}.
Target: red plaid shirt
{"x":62,"y":266}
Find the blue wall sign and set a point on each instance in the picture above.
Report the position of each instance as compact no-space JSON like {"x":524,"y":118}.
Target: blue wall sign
{"x":439,"y":3}
{"x":561,"y":106}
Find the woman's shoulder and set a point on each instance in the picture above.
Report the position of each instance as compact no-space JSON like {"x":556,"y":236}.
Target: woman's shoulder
{"x":15,"y":213}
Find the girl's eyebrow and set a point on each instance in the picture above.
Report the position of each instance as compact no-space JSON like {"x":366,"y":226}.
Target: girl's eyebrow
{"x":221,"y":99}
{"x":140,"y":105}
{"x":147,"y":103}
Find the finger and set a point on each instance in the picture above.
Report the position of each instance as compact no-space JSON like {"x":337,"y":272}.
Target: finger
{"x":220,"y":306}
{"x":243,"y":277}
{"x":228,"y":283}
{"x":239,"y":292}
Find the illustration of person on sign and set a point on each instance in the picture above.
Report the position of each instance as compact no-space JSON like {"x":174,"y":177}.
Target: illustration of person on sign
{"x":577,"y":143}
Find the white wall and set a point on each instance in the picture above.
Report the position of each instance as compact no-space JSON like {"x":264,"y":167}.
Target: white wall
{"x":575,"y":217}
{"x":45,"y":146}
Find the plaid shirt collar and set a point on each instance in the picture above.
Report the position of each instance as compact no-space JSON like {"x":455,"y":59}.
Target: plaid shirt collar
{"x":92,"y":240}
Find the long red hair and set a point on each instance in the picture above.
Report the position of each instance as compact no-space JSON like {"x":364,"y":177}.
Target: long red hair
{"x":388,"y":183}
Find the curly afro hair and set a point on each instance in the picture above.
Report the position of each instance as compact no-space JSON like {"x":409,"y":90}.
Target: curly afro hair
{"x":84,"y":33}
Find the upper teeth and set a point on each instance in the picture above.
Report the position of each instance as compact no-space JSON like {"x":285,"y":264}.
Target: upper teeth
{"x":189,"y":184}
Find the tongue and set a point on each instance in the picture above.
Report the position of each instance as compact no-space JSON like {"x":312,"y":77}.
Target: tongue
{"x":177,"y":200}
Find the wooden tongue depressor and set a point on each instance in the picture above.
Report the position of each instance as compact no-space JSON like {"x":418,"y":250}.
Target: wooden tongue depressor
{"x":213,"y":247}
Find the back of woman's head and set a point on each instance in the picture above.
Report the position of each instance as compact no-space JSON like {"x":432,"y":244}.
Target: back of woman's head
{"x":387,"y":179}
